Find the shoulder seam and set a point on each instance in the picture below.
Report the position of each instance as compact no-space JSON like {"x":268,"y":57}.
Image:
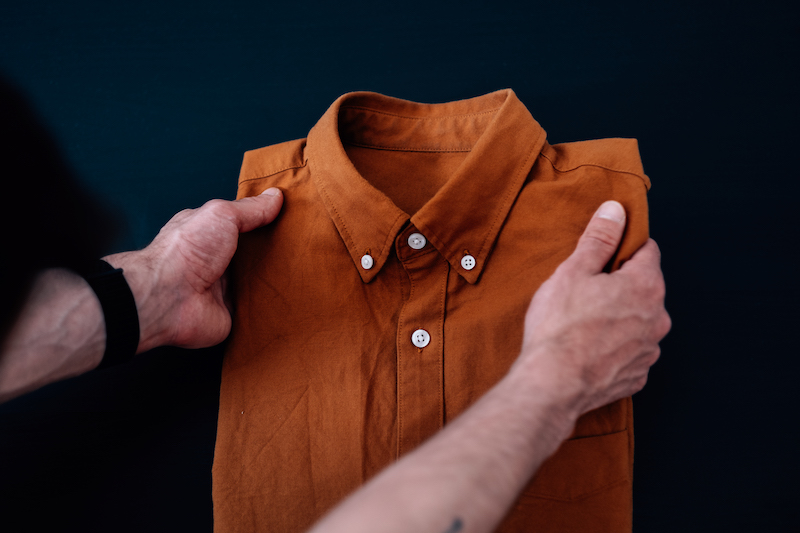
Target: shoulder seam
{"x":273,"y":173}
{"x":590,"y":165}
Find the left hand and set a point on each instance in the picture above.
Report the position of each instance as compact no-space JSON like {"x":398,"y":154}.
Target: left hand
{"x":178,"y":281}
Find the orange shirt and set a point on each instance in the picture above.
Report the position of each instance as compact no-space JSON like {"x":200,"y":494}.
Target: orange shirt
{"x":390,"y":294}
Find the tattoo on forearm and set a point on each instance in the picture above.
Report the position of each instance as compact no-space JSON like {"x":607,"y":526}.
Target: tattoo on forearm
{"x":455,"y":527}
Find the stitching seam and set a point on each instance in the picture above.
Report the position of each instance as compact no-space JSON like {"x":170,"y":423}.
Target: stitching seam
{"x":350,"y":243}
{"x":379,"y":112}
{"x":582,"y":496}
{"x":563,"y":171}
{"x":395,"y":149}
{"x":400,"y":374}
{"x":443,"y":299}
{"x":272,"y":174}
{"x":505,"y":200}
{"x":392,"y":234}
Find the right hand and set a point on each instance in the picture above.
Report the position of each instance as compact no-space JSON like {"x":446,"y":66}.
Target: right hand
{"x":591,"y":337}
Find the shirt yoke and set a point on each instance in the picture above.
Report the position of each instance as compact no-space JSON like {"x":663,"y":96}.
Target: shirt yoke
{"x":271,"y":160}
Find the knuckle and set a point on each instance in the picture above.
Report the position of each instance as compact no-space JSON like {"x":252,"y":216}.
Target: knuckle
{"x":183,"y":214}
{"x":602,"y":234}
{"x":656,"y":248}
{"x":214,"y":204}
{"x":216,"y":207}
{"x":565,"y":269}
{"x":649,"y":287}
{"x":640,"y":383}
{"x":659,"y":287}
{"x":664,"y":326}
{"x":654,"y":356}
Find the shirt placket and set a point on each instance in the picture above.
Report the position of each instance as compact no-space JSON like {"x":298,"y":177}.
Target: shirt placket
{"x":420,"y":341}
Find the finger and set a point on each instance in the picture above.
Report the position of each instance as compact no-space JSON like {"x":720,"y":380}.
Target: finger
{"x":663,"y":326}
{"x":600,"y":239}
{"x":645,"y":266}
{"x":256,"y":211}
{"x":226,"y":293}
{"x":648,"y":256}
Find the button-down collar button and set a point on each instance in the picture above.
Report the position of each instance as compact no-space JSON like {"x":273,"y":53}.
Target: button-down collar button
{"x":420,"y":338}
{"x":417,"y":241}
{"x":467,"y":262}
{"x":367,"y":261}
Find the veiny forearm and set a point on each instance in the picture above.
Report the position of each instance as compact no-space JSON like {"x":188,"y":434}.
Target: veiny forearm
{"x":59,"y":334}
{"x":61,"y":330}
{"x":467,"y":476}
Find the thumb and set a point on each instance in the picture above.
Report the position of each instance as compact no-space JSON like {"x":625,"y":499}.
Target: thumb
{"x":600,"y":240}
{"x":256,"y":211}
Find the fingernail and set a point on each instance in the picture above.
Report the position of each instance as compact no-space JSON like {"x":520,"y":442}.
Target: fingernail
{"x":612,"y":211}
{"x":272,"y":191}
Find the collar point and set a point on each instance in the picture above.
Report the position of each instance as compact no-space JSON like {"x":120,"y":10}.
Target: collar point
{"x":368,"y":275}
{"x":471,"y":276}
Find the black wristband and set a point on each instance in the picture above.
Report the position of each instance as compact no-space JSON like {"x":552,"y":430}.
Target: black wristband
{"x":119,"y":310}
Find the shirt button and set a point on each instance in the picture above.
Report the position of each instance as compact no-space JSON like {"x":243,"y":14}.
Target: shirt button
{"x":366,"y":261}
{"x":420,"y":338}
{"x":417,"y":241}
{"x":467,"y":262}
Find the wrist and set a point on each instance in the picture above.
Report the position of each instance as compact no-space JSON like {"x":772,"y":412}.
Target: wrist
{"x":543,"y":375}
{"x":151,"y":300}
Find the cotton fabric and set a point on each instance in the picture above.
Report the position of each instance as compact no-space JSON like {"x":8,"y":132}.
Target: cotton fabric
{"x":322,"y":385}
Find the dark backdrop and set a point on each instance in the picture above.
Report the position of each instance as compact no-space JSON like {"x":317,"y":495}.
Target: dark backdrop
{"x":154,"y":103}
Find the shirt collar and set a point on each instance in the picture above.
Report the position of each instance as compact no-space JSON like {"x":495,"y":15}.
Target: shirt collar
{"x":466,"y":214}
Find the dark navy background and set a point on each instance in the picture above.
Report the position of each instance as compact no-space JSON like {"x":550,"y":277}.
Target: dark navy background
{"x":153,"y":104}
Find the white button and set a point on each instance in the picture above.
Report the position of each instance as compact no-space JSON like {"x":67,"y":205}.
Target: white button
{"x":467,"y":262}
{"x":420,"y":338}
{"x":366,"y":261}
{"x":417,"y":241}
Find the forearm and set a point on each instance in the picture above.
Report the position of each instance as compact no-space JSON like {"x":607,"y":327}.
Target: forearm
{"x":60,"y":333}
{"x":467,"y":476}
{"x":61,"y":330}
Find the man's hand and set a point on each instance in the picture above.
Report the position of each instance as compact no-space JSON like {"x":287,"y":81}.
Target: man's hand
{"x":178,"y":281}
{"x":591,"y":337}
